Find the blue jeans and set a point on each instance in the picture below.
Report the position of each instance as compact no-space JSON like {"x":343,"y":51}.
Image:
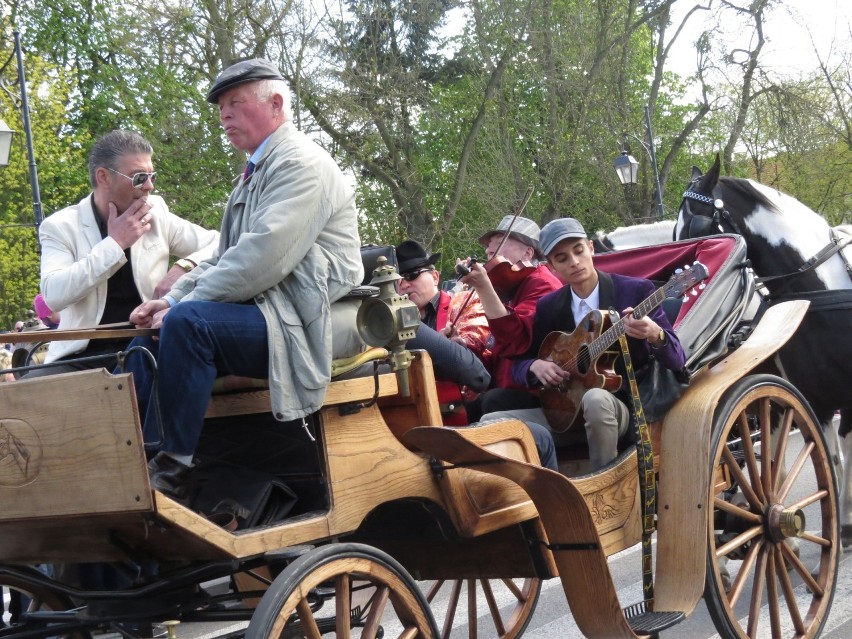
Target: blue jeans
{"x":198,"y":342}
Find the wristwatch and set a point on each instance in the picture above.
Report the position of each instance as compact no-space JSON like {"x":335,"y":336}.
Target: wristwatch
{"x":186,"y":265}
{"x":661,"y":339}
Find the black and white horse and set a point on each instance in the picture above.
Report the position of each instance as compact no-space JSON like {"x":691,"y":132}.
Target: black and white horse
{"x":797,"y":255}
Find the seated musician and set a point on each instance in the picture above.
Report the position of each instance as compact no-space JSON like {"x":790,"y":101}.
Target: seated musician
{"x":607,"y":416}
{"x":510,"y":308}
{"x":103,"y":256}
{"x":454,"y":363}
{"x":458,"y":361}
{"x":261,"y":306}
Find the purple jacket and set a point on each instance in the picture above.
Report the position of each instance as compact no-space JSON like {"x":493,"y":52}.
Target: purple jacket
{"x":553,"y":313}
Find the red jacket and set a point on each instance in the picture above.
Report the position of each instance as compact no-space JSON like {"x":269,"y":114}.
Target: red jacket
{"x":472,"y":326}
{"x":512,"y":334}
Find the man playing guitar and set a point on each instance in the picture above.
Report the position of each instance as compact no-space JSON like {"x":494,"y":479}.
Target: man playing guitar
{"x":606,"y":415}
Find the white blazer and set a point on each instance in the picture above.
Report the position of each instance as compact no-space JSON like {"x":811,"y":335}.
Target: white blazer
{"x":76,"y":263}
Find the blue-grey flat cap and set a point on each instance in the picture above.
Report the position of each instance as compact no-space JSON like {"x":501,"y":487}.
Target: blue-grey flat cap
{"x":245,"y":71}
{"x":557,"y":230}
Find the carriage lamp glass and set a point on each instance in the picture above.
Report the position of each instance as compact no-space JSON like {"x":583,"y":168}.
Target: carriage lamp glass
{"x":5,"y":143}
{"x":627,"y":168}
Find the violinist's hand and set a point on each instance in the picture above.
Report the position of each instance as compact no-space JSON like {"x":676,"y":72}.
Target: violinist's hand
{"x":448,"y":330}
{"x":149,"y":314}
{"x":477,"y":278}
{"x":644,"y":328}
{"x":549,"y":373}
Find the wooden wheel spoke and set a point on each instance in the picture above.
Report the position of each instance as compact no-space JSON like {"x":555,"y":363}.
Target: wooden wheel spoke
{"x":781,"y":450}
{"x":451,"y":609}
{"x":436,"y":587}
{"x":745,"y":572}
{"x":307,"y":621}
{"x":757,"y":593}
{"x":471,"y":608}
{"x":787,"y":590}
{"x":511,"y":585}
{"x":492,"y":606}
{"x":738,"y":541}
{"x":801,"y":570}
{"x":736,"y":511}
{"x":343,"y":606}
{"x":750,"y":457}
{"x":744,"y":483}
{"x":764,"y":480}
{"x":810,"y":499}
{"x":821,"y":541}
{"x":377,"y":605}
{"x":772,"y":593}
{"x":795,"y":471}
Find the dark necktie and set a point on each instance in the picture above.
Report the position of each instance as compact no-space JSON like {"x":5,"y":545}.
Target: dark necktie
{"x":249,"y":170}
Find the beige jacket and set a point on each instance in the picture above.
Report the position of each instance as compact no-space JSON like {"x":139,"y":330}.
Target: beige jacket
{"x":76,"y":262}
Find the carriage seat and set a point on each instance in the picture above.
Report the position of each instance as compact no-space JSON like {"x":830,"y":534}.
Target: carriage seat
{"x":348,"y":351}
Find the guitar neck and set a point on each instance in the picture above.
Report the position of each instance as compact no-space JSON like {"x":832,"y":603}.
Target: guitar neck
{"x":610,"y":336}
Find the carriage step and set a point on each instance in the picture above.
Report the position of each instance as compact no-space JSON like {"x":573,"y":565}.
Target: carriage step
{"x":645,"y":622}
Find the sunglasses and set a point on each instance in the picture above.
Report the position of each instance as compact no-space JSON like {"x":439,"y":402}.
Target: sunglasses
{"x":410,"y":277}
{"x":138,"y":179}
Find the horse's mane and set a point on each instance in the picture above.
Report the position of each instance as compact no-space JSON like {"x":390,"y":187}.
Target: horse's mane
{"x":747,"y":191}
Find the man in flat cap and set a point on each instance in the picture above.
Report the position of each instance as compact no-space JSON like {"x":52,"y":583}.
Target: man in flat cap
{"x":606,"y":415}
{"x":510,"y":310}
{"x":260,"y":307}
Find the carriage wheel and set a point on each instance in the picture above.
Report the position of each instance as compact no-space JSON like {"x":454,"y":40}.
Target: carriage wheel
{"x":343,"y":591}
{"x":33,"y":597}
{"x":520,"y":595}
{"x":773,"y":515}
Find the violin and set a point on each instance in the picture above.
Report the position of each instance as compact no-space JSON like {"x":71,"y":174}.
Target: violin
{"x":504,"y":275}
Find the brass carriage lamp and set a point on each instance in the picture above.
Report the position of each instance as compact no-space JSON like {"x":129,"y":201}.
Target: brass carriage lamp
{"x":5,"y":143}
{"x":389,"y":320}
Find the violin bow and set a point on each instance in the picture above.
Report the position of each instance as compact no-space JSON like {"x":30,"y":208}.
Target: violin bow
{"x":520,"y":209}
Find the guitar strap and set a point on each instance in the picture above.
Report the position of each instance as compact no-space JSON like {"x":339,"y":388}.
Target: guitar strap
{"x":647,"y":485}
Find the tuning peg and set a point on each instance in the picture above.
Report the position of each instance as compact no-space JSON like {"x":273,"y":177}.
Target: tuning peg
{"x":702,"y":286}
{"x":678,"y":270}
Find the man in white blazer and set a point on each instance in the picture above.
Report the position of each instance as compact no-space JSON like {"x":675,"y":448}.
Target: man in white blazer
{"x":102,"y":257}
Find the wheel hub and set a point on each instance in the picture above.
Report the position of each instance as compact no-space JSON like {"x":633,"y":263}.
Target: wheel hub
{"x":782,"y":523}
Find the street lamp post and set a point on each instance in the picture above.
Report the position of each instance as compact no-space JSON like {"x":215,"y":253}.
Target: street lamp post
{"x":6,"y":133}
{"x":628,"y":168}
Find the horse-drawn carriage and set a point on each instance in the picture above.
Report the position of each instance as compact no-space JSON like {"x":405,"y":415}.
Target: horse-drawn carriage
{"x":374,"y":497}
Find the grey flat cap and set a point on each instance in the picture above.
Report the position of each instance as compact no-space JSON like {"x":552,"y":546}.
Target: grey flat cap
{"x":524,"y":230}
{"x":245,"y":71}
{"x":557,"y":230}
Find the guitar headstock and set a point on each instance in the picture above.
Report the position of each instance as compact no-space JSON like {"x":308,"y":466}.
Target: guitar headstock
{"x":685,"y":279}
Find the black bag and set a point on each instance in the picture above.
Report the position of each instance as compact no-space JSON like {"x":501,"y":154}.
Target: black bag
{"x":252,"y":497}
{"x":659,"y":389}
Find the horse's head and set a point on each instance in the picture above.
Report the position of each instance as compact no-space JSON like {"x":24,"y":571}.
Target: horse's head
{"x":700,"y":211}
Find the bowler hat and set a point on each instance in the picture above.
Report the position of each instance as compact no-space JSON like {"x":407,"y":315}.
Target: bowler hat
{"x":557,"y":230}
{"x":245,"y":71}
{"x":411,"y":255}
{"x":524,"y":230}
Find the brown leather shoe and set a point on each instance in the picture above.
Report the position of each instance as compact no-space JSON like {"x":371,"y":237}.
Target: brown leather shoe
{"x":169,"y":476}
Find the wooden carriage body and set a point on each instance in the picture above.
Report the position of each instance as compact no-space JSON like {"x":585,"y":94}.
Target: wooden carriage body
{"x":74,"y":485}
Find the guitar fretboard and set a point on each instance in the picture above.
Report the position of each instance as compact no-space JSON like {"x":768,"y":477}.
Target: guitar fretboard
{"x":611,"y":335}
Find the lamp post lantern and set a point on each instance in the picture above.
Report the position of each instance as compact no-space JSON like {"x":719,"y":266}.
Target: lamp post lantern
{"x":628,"y":168}
{"x":5,"y":143}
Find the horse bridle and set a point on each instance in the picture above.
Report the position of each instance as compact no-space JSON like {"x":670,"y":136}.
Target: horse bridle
{"x":702,"y":225}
